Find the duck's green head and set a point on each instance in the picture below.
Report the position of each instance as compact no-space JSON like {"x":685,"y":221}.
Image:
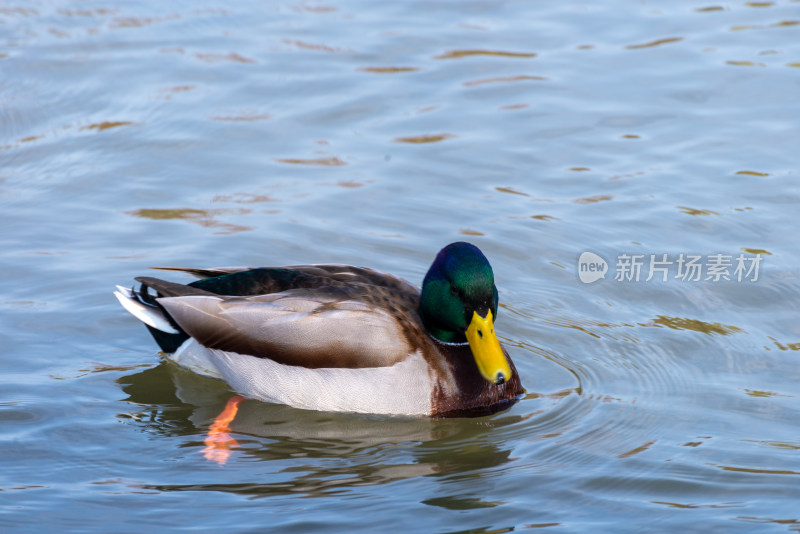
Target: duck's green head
{"x":459,"y":304}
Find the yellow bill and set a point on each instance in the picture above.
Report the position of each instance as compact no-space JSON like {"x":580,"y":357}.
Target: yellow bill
{"x":485,"y":346}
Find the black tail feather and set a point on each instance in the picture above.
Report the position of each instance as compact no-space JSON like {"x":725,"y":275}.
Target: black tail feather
{"x":168,"y":342}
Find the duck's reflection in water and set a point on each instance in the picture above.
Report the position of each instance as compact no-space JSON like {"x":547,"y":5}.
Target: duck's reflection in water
{"x":313,"y":453}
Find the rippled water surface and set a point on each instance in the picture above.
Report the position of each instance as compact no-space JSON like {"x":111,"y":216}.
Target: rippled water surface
{"x":147,"y":133}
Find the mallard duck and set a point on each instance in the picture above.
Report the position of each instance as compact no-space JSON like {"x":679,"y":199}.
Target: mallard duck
{"x":339,"y":338}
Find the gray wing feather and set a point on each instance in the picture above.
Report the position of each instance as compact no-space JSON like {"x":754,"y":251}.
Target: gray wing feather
{"x":295,"y":327}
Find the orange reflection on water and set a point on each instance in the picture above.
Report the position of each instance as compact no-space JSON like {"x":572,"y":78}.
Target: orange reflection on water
{"x":205,"y":218}
{"x":218,"y":441}
{"x":218,"y":58}
{"x":388,"y":70}
{"x":651,"y":44}
{"x":694,"y":211}
{"x":315,"y":46}
{"x":637,"y":450}
{"x":685,"y":323}
{"x":593,"y":199}
{"x":458,"y":54}
{"x":106,"y":125}
{"x":421,"y":139}
{"x":327,"y":162}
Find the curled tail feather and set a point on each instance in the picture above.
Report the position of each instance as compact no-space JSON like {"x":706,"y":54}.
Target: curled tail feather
{"x":142,"y":305}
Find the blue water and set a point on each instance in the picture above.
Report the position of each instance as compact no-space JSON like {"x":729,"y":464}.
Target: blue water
{"x":135,"y":134}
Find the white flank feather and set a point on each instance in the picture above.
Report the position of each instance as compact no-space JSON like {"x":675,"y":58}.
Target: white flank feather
{"x":366,"y":390}
{"x":148,"y":315}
